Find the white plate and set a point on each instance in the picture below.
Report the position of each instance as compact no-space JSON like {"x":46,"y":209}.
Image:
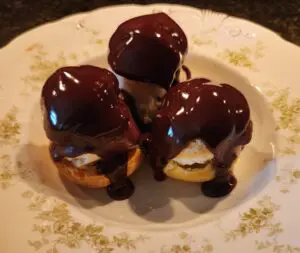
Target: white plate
{"x":42,"y":212}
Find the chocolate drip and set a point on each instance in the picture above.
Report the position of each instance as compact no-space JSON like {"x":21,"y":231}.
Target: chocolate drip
{"x":115,"y":168}
{"x":131,"y":103}
{"x":148,"y":48}
{"x":220,"y":186}
{"x":218,"y":114}
{"x":83,"y":113}
{"x":187,"y":72}
{"x":225,"y":181}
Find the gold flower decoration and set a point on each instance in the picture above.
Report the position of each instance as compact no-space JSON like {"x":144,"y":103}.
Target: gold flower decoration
{"x":256,"y":220}
{"x":287,"y":178}
{"x":10,"y":128}
{"x":276,"y":247}
{"x":287,"y":112}
{"x":243,"y":57}
{"x":263,"y":218}
{"x":199,"y":41}
{"x":185,"y":245}
{"x":57,"y":227}
{"x":10,"y":171}
{"x":6,"y":173}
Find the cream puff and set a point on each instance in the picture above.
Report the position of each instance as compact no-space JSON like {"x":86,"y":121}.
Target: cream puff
{"x":197,"y":133}
{"x":84,"y":113}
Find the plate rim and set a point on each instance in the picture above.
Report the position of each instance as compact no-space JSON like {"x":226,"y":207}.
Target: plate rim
{"x":79,"y":15}
{"x":85,"y":14}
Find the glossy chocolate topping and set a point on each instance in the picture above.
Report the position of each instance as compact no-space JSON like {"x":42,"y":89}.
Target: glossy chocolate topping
{"x":218,"y":114}
{"x":83,"y":113}
{"x":82,"y":108}
{"x":116,"y":170}
{"x":148,"y":48}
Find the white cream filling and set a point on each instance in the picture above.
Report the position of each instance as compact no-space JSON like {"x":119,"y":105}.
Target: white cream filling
{"x":195,"y":153}
{"x":83,"y":160}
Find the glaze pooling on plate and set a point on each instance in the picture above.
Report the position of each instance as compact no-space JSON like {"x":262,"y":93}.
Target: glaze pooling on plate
{"x":265,"y":228}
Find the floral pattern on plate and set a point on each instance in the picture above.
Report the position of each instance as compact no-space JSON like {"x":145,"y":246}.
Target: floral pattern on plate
{"x":267,"y":222}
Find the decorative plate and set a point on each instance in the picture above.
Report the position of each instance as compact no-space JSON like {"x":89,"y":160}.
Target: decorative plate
{"x":41,"y":212}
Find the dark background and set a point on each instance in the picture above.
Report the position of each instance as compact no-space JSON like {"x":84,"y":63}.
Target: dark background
{"x":17,"y":16}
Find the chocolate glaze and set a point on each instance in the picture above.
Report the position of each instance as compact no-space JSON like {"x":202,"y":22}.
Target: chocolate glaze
{"x":83,"y":113}
{"x":115,"y":169}
{"x":148,"y":48}
{"x":219,"y":187}
{"x":187,"y":72}
{"x":217,"y":114}
{"x":131,"y":103}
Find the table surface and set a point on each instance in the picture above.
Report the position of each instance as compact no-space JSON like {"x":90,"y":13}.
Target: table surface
{"x":17,"y":16}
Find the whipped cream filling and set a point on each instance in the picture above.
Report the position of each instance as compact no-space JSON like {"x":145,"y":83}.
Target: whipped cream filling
{"x":195,"y":153}
{"x":192,"y":164}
